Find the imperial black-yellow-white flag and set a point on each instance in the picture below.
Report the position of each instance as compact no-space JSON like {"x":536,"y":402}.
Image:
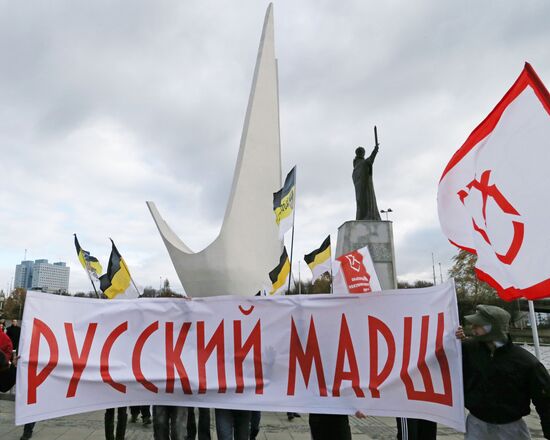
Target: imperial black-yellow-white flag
{"x":89,"y":263}
{"x":117,"y":278}
{"x":283,"y":203}
{"x":279,"y":275}
{"x":319,"y":260}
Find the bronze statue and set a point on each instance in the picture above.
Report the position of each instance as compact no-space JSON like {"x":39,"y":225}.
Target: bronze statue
{"x":367,"y":208}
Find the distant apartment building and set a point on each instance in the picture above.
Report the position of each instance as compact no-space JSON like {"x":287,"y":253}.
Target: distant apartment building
{"x":41,"y":275}
{"x":23,"y":275}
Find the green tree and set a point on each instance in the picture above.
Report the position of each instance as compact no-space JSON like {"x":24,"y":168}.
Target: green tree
{"x":468,"y":285}
{"x":322,"y":284}
{"x":15,"y":303}
{"x":414,"y":284}
{"x":301,"y":287}
{"x":149,"y":292}
{"x":167,"y":290}
{"x":89,"y":294}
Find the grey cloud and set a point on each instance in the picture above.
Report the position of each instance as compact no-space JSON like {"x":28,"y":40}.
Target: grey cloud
{"x":104,"y":105}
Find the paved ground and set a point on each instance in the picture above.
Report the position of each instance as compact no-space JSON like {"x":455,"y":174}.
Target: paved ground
{"x":274,"y":426}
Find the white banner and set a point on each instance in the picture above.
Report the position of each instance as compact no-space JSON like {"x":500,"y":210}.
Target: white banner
{"x":390,"y":353}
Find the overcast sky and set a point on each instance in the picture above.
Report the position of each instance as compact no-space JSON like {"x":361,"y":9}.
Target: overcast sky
{"x":104,"y":105}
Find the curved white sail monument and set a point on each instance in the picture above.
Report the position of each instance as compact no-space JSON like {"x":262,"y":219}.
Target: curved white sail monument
{"x":247,"y":248}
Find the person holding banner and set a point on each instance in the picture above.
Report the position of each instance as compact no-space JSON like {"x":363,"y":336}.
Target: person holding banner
{"x":203,"y":424}
{"x":255,"y":418}
{"x":500,"y":380}
{"x":416,"y":429}
{"x":122,"y":418}
{"x":329,"y":427}
{"x":169,"y":422}
{"x":232,"y":424}
{"x":27,"y":431}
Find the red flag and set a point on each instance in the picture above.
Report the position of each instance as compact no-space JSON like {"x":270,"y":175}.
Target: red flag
{"x":354,"y":273}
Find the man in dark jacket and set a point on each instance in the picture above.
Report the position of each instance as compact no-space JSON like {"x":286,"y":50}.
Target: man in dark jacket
{"x":500,"y":380}
{"x":14,"y":333}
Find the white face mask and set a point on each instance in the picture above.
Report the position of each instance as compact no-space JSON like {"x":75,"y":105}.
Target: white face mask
{"x":488,"y":329}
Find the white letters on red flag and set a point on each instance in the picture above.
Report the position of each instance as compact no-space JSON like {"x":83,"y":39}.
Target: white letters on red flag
{"x":388,"y":353}
{"x":354,"y":273}
{"x":493,"y":195}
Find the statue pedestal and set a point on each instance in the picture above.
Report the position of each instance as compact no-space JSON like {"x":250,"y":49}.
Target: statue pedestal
{"x":378,"y":237}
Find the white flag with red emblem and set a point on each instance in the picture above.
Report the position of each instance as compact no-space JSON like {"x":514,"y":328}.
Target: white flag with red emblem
{"x":354,"y":273}
{"x":493,"y":195}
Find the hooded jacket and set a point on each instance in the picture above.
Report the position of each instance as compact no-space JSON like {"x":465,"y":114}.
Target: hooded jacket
{"x":499,"y":386}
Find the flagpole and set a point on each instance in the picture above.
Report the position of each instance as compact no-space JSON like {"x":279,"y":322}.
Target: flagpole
{"x":134,"y":284}
{"x":299,"y":277}
{"x":87,"y":268}
{"x":331,"y":278}
{"x":292,"y":239}
{"x":131,"y":279}
{"x":90,"y":278}
{"x":125,"y":266}
{"x":433,"y":268}
{"x":534,"y":328}
{"x":291,"y":251}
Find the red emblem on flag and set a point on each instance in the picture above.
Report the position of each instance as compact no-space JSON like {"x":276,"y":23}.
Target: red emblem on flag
{"x":491,"y":191}
{"x":355,"y":273}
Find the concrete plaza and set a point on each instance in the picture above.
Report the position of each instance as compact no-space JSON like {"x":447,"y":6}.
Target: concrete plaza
{"x":274,"y":426}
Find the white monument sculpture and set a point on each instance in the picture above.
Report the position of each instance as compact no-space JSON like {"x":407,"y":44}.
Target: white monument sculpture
{"x":239,"y":259}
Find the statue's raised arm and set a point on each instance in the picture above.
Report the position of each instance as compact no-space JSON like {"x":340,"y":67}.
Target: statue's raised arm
{"x":372,"y":155}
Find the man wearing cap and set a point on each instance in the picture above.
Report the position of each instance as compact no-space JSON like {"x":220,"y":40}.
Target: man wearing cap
{"x":500,"y":380}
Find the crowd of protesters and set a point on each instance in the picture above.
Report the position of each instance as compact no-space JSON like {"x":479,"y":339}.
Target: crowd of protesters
{"x":501,"y":380}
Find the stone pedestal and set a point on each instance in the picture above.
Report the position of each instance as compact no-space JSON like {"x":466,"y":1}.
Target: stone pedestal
{"x":378,"y":237}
